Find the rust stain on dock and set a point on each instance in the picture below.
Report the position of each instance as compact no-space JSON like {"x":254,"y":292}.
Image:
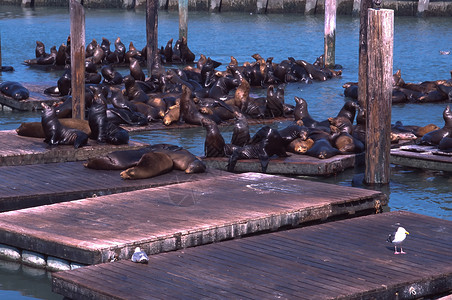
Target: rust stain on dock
{"x":19,"y":150}
{"x":348,"y":259}
{"x":93,"y":230}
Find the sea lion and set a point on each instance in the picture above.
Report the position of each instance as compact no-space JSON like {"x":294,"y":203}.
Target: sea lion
{"x":313,"y":71}
{"x":150,"y":165}
{"x":117,"y":160}
{"x":14,"y":90}
{"x":274,"y":106}
{"x":294,"y":131}
{"x":301,"y":113}
{"x":34,"y":129}
{"x":188,"y":111}
{"x":242,"y":95}
{"x":322,"y":149}
{"x":241,"y":132}
{"x":214,"y":142}
{"x":346,"y":143}
{"x":434,"y":137}
{"x":196,"y":166}
{"x":182,"y":158}
{"x":119,"y":101}
{"x":168,"y":51}
{"x":102,"y":129}
{"x":61,"y":57}
{"x":133,"y":90}
{"x":300,"y":146}
{"x":90,"y":48}
{"x":57,"y":134}
{"x":135,"y":70}
{"x":64,"y":83}
{"x":40,"y":49}
{"x":111,"y":76}
{"x":445,"y":144}
{"x":421,"y":131}
{"x":221,"y":88}
{"x":172,"y":115}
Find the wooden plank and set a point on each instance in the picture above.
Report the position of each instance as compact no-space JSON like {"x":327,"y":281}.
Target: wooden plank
{"x":182,"y":215}
{"x":422,"y":157}
{"x":19,"y":150}
{"x":347,"y":259}
{"x":35,"y":185}
{"x":292,"y":165}
{"x":33,"y":102}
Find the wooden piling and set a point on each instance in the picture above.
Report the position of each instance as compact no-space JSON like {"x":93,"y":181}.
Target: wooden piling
{"x":379,"y":95}
{"x":421,"y":7}
{"x":0,"y":51}
{"x":330,"y":33}
{"x":151,"y":32}
{"x":183,"y":17}
{"x":77,"y":59}
{"x":362,"y":71}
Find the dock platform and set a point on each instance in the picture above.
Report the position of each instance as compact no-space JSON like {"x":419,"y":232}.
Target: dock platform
{"x":19,"y":150}
{"x":295,"y":164}
{"x":422,"y":157}
{"x":95,"y":230}
{"x":34,"y":101}
{"x":348,"y":259}
{"x":35,"y":185}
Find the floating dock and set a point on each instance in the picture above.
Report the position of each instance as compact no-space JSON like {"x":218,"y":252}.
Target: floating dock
{"x":19,"y":150}
{"x":33,"y":102}
{"x":348,"y":259}
{"x":96,"y":230}
{"x":35,"y":185}
{"x":295,"y":164}
{"x":422,"y":157}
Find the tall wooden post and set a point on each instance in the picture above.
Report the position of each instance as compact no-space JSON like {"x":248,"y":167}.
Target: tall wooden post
{"x":151,"y":32}
{"x":330,"y":33}
{"x":183,"y":16}
{"x":380,"y":40}
{"x":421,"y":7}
{"x":362,"y":71}
{"x":77,"y":59}
{"x":0,"y":51}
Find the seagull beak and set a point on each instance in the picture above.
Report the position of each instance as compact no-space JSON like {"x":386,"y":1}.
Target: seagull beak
{"x":407,"y":232}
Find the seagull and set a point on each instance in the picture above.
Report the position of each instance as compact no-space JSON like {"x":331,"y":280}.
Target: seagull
{"x":397,"y":238}
{"x":444,"y":52}
{"x":140,"y":256}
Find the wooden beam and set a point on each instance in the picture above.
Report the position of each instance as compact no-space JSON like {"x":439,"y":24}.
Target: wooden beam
{"x":183,"y":18}
{"x":362,"y":71}
{"x":77,"y":59}
{"x":421,"y":7}
{"x":151,"y":32}
{"x":380,"y":41}
{"x":330,"y":33}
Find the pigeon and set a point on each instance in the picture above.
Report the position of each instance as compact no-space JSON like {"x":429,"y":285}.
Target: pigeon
{"x":397,"y":238}
{"x":140,"y":256}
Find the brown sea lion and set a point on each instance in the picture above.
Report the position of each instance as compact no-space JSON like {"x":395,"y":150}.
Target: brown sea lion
{"x":242,"y":94}
{"x":182,"y":158}
{"x":34,"y":129}
{"x":214,"y":142}
{"x":421,"y":131}
{"x":300,"y":146}
{"x":188,"y":111}
{"x":117,"y":160}
{"x":172,"y":115}
{"x":196,"y":166}
{"x":150,"y":165}
{"x":158,"y":103}
{"x":135,"y":69}
{"x":241,"y":132}
{"x":322,"y":149}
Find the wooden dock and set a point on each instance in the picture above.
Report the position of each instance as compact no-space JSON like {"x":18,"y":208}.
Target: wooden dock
{"x":295,"y":164}
{"x":35,"y":185}
{"x":33,"y":103}
{"x":422,"y":157}
{"x":348,"y":259}
{"x":94,"y":230}
{"x":19,"y":150}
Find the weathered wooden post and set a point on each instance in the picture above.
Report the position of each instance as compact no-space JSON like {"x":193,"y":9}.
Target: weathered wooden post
{"x":379,"y":95}
{"x":362,"y":71}
{"x":356,"y":6}
{"x":77,"y":59}
{"x":151,"y":32}
{"x":0,"y":51}
{"x":183,"y":16}
{"x":421,"y":7}
{"x":330,"y":33}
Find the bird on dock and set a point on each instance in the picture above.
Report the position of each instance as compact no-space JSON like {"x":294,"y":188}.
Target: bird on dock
{"x":397,"y":238}
{"x":140,"y":256}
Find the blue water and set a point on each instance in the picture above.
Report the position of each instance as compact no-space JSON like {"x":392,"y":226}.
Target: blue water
{"x":417,"y":43}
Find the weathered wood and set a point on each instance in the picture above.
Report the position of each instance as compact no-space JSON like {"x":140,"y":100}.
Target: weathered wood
{"x":347,"y":259}
{"x":362,"y":68}
{"x":356,"y":8}
{"x":422,"y":157}
{"x":167,"y":218}
{"x":77,"y":13}
{"x":379,"y":95}
{"x":422,"y":7}
{"x":292,"y":165}
{"x":310,"y":7}
{"x":0,"y":50}
{"x":18,"y":150}
{"x":151,"y":33}
{"x":36,"y":185}
{"x":183,"y":18}
{"x":330,"y":33}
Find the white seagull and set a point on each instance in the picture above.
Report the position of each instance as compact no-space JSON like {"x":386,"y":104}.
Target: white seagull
{"x":397,"y":238}
{"x":140,"y":256}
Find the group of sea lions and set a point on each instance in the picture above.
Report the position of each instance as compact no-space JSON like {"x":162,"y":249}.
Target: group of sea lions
{"x":441,"y":137}
{"x":404,"y":92}
{"x":149,"y":161}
